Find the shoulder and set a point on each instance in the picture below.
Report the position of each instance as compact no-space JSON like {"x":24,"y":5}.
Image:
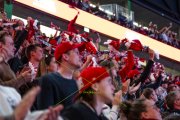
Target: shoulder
{"x":72,"y":112}
{"x":49,"y":78}
{"x":10,"y":91}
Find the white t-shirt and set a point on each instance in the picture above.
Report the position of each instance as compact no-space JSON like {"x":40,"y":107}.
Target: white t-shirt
{"x":9,"y":99}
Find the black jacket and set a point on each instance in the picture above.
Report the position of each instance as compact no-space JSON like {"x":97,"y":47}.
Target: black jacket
{"x":144,"y":75}
{"x":80,"y":111}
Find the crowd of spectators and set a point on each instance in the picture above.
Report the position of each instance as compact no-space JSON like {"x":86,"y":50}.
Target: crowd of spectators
{"x":164,"y":35}
{"x":69,"y":69}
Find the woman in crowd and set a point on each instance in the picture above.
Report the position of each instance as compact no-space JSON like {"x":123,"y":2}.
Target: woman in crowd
{"x":47,"y":65}
{"x":140,"y":109}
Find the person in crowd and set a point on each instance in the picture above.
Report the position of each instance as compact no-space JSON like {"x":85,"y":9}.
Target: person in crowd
{"x":13,"y":108}
{"x":140,"y":109}
{"x":47,"y":65}
{"x":173,"y":102}
{"x":161,"y":93}
{"x":57,"y":87}
{"x":150,"y":94}
{"x":172,"y":87}
{"x":7,"y":50}
{"x":97,"y":90}
{"x":85,"y":5}
{"x":172,"y":117}
{"x":34,"y":53}
{"x":144,"y":75}
{"x":163,"y":33}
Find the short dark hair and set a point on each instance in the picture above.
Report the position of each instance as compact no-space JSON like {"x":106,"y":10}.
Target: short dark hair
{"x":3,"y":34}
{"x":31,"y":48}
{"x":147,"y":92}
{"x":138,"y":106}
{"x":133,"y":110}
{"x":170,"y":99}
{"x":88,"y":95}
{"x":125,"y":107}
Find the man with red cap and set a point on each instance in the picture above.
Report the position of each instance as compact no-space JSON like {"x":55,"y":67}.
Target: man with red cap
{"x":97,"y":90}
{"x":58,"y":87}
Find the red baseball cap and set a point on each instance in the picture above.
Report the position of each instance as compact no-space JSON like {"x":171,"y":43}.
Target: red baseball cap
{"x":91,"y":75}
{"x":64,"y":47}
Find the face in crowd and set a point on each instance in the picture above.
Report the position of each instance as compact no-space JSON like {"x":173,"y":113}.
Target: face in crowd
{"x":152,"y":111}
{"x":38,"y":54}
{"x":51,"y":63}
{"x":144,"y":109}
{"x":8,"y":46}
{"x":106,"y":90}
{"x":74,"y":58}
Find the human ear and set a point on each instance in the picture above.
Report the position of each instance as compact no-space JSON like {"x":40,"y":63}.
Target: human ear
{"x":144,"y":115}
{"x":95,"y":87}
{"x":65,"y":57}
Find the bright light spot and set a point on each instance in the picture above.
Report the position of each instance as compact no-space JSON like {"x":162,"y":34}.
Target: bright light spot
{"x":101,"y":9}
{"x":145,"y":27}
{"x":92,"y":5}
{"x":15,"y":17}
{"x":131,"y":35}
{"x":108,"y":12}
{"x":86,"y":29}
{"x":44,"y":3}
{"x":135,"y":23}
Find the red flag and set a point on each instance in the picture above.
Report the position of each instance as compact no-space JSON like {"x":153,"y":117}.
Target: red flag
{"x":136,"y":45}
{"x":31,"y":30}
{"x":71,"y":27}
